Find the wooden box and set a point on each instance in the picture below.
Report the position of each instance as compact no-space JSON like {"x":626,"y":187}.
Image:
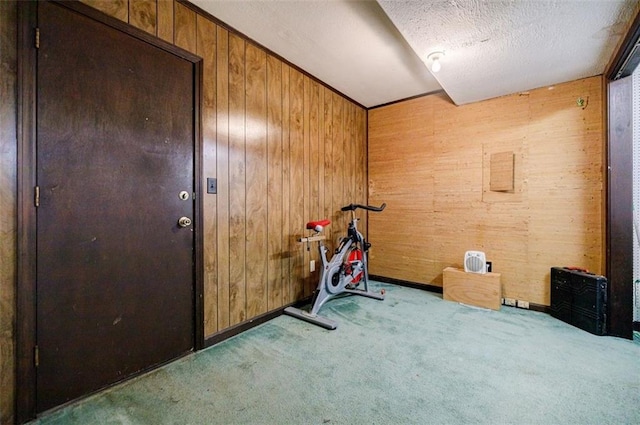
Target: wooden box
{"x":481,"y":290}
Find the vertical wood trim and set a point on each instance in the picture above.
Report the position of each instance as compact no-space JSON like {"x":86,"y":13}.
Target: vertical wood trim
{"x":287,"y":245}
{"x":185,"y":27}
{"x":321,"y":152}
{"x":143,"y":15}
{"x":350,"y":152}
{"x":165,"y":20}
{"x":223,"y":158}
{"x":314,"y":175}
{"x":8,"y":202}
{"x":256,"y":177}
{"x":306,"y":254}
{"x":296,"y":145}
{"x":275,"y":186}
{"x":328,"y":166}
{"x":198,"y":276}
{"x":620,"y":209}
{"x":206,"y":48}
{"x":312,"y":106}
{"x":26,"y":216}
{"x":361,"y":163}
{"x":605,"y":184}
{"x":338,"y":164}
{"x":237,"y":182}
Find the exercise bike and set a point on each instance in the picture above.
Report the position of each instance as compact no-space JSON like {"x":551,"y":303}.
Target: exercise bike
{"x":344,"y":273}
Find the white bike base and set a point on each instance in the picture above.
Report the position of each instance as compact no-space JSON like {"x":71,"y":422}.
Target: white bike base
{"x":316,"y":320}
{"x":323,"y":321}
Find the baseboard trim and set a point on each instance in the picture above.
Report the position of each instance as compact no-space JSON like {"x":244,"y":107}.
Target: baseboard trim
{"x":258,"y":320}
{"x":540,"y":307}
{"x":252,"y":323}
{"x":438,"y":289}
{"x":415,"y":285}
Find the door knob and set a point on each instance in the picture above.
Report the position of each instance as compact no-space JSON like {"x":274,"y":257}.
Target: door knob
{"x":184,"y":222}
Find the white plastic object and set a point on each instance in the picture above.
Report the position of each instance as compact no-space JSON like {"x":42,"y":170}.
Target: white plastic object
{"x":475,"y":262}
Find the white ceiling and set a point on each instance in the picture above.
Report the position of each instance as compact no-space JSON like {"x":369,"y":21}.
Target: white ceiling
{"x":373,"y":52}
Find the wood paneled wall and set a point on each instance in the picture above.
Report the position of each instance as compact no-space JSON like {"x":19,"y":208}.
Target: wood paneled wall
{"x":284,"y":148}
{"x":429,"y":160}
{"x":8,"y":220}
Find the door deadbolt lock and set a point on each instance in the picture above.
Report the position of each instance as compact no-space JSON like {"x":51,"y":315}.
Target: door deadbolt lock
{"x":184,"y":195}
{"x":184,"y":222}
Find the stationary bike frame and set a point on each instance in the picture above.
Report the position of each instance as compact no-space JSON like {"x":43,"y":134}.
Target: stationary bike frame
{"x":343,"y":273}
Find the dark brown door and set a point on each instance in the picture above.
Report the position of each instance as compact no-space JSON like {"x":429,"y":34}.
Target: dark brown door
{"x":115,"y":147}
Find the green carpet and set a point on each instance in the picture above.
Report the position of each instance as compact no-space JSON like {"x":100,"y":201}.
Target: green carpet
{"x":411,"y":359}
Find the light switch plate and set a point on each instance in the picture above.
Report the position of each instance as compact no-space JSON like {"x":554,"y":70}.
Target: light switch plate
{"x":212,"y":185}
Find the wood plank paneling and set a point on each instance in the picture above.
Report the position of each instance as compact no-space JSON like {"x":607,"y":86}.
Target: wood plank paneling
{"x":426,"y":161}
{"x":143,"y":15}
{"x":118,"y":9}
{"x":289,"y":246}
{"x":275,"y":185}
{"x":206,"y":48}
{"x":297,"y":217}
{"x":256,"y":180}
{"x":322,"y":151}
{"x":237,"y":182}
{"x":337,"y":168}
{"x":361,"y":164}
{"x":8,"y":210}
{"x":184,"y":21}
{"x":350,"y":153}
{"x":328,"y":168}
{"x":307,"y":285}
{"x":222,"y":166}
{"x":313,"y":211}
{"x":165,"y":20}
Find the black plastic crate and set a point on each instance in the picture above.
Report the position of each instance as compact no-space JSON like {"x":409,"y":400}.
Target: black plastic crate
{"x":561,"y":294}
{"x":580,"y":299}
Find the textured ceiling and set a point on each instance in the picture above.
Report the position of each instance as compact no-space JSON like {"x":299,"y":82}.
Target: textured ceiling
{"x":493,"y":48}
{"x":373,"y":51}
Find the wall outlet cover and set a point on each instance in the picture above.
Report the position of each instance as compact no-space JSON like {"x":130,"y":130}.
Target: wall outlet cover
{"x":509,"y":301}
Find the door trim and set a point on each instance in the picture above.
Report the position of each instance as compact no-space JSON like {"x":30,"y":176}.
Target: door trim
{"x":619,"y":208}
{"x":26,"y":221}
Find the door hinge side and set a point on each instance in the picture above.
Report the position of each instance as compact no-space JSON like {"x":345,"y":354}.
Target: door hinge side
{"x":37,"y":196}
{"x":36,"y":356}
{"x":37,"y":38}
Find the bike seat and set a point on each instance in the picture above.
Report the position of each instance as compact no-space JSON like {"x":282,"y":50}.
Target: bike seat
{"x":313,"y":224}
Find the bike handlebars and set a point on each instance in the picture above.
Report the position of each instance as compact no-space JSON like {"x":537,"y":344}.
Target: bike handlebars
{"x":353,"y":207}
